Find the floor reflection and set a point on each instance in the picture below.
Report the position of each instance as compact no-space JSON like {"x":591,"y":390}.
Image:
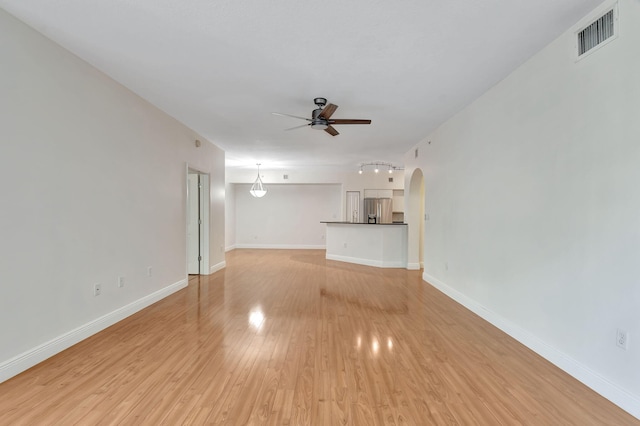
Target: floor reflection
{"x":284,"y":337}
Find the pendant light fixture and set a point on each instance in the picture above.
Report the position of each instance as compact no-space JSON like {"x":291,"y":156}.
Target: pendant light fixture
{"x":257,"y":189}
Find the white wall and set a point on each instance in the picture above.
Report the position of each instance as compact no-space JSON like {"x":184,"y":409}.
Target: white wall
{"x":349,"y":181}
{"x":288,"y":216}
{"x":230,"y":217}
{"x":533,"y":200}
{"x":93,"y":180}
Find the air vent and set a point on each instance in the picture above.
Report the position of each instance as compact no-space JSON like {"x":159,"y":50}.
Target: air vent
{"x":597,"y":32}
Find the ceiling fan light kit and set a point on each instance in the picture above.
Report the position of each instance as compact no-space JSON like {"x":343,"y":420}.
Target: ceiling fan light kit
{"x":321,"y":118}
{"x":317,"y":122}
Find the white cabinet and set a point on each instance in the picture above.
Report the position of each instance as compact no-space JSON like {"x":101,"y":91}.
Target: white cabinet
{"x":378,"y":193}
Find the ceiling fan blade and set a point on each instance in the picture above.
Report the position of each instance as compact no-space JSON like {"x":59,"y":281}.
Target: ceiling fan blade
{"x":297,"y":127}
{"x":289,"y":115}
{"x":349,"y":121}
{"x":331,"y":131}
{"x":328,"y":111}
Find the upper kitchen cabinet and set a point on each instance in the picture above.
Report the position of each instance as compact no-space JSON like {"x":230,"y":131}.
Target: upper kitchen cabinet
{"x":378,"y":193}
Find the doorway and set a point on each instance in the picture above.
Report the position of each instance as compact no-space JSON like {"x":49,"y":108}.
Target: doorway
{"x":353,"y":206}
{"x":416,"y":220}
{"x":197,"y":222}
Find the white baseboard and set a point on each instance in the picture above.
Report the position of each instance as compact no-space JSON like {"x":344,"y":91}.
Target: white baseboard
{"x":615,"y":394}
{"x":280,"y":246}
{"x":366,"y":262}
{"x":229,"y":248}
{"x":28,"y":359}
{"x":217,"y":267}
{"x":413,"y":266}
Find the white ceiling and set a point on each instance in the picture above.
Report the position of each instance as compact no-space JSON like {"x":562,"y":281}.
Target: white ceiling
{"x":222,"y":66}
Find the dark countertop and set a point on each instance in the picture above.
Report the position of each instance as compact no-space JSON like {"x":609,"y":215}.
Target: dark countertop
{"x":361,"y":223}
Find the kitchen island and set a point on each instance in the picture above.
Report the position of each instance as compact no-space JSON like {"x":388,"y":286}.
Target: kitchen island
{"x":383,"y":245}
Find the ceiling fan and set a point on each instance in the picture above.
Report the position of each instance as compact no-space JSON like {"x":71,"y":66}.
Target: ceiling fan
{"x":321,"y":118}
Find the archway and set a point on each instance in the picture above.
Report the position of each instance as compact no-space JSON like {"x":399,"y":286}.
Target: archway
{"x":415,"y":221}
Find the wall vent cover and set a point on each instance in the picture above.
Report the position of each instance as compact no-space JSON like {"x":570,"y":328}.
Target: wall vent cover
{"x":597,"y":32}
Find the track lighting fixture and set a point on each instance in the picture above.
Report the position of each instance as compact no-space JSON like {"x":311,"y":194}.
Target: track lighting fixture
{"x":377,"y":165}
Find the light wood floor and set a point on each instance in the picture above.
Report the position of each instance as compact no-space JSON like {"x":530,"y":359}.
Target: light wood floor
{"x":285,"y":337}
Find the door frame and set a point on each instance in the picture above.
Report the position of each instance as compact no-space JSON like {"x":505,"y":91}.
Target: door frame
{"x":204,"y":217}
{"x":415,"y":202}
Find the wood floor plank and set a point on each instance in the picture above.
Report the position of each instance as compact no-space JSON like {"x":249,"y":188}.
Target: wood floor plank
{"x":285,"y":337}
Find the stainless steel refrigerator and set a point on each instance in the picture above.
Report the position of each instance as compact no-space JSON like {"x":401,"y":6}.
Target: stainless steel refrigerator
{"x":378,"y":210}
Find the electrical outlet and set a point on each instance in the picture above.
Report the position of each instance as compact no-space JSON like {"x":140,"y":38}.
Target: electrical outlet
{"x":344,"y":245}
{"x":120,"y":282}
{"x":97,"y":289}
{"x":446,"y":266}
{"x":622,"y":339}
{"x":149,"y":271}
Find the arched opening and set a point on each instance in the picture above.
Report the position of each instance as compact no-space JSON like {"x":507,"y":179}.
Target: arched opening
{"x":415,"y":221}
